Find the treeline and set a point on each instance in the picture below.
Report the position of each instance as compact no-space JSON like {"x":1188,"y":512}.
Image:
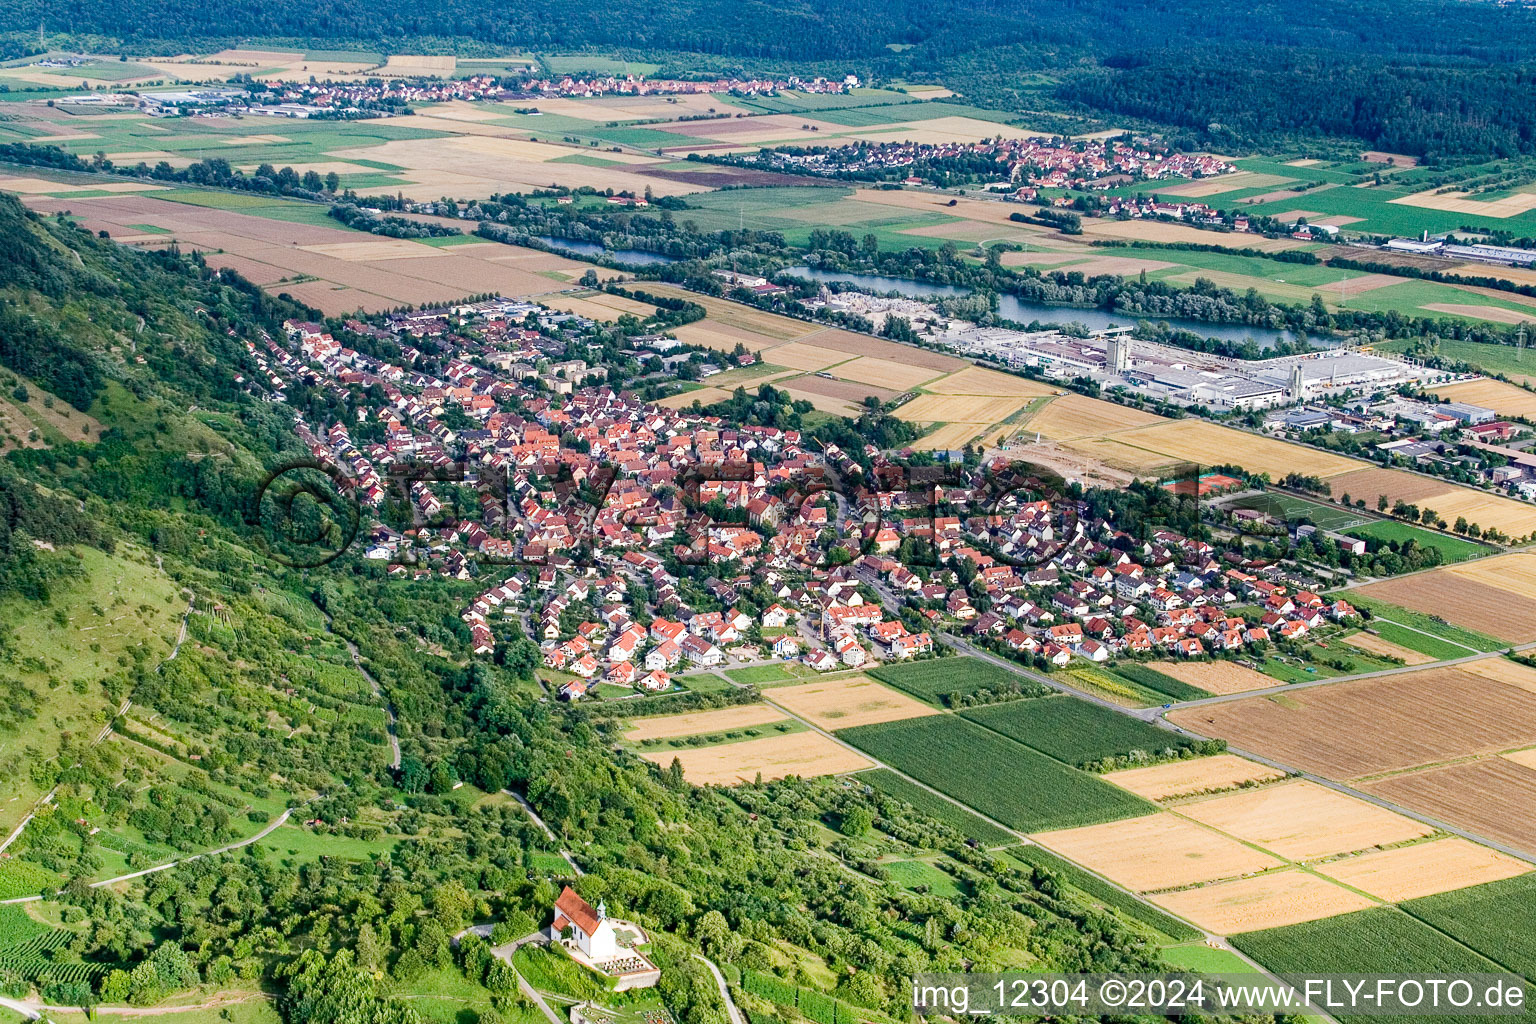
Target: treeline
{"x":391,"y":227}
{"x":1258,"y":96}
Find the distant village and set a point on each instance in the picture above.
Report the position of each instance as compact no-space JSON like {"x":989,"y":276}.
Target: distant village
{"x":382,"y":97}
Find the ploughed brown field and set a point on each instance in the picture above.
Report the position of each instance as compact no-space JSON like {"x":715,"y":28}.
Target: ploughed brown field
{"x":1462,"y":601}
{"x":1493,"y":797}
{"x":1370,"y":726}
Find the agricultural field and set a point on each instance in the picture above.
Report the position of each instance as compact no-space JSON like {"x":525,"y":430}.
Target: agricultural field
{"x":1516,"y":364}
{"x":1370,"y":726}
{"x":1375,"y":644}
{"x":845,"y":703}
{"x":1423,"y":869}
{"x":1495,"y":919}
{"x":1096,"y":890}
{"x":1004,"y":780}
{"x":1491,"y":796}
{"x":1492,"y":595}
{"x":1379,"y":941}
{"x":1212,"y":677}
{"x":1157,"y":678}
{"x":941,"y":681}
{"x":1157,"y":852}
{"x":696,"y":723}
{"x":1193,"y":778}
{"x":1270,"y":900}
{"x":1302,"y":821}
{"x":772,"y":757}
{"x":1505,"y":399}
{"x":1420,"y":631}
{"x":1074,"y":730}
{"x":936,"y":807}
{"x":325,"y":265}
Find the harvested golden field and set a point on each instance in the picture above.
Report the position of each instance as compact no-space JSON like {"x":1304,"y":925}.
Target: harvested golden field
{"x":1503,"y":670}
{"x":844,"y":703}
{"x":722,"y":338}
{"x":1218,"y":677}
{"x":1159,"y":851}
{"x":1376,"y":645}
{"x":1164,"y":231}
{"x":885,"y":373}
{"x":382,"y":249}
{"x":1423,"y":869}
{"x":1073,"y":416}
{"x":971,"y":209}
{"x":1268,"y":901}
{"x":734,"y":314}
{"x":950,"y":437}
{"x":698,"y":723}
{"x":850,"y":344}
{"x":1301,"y":820}
{"x":597,"y":306}
{"x":1517,"y":519}
{"x":1368,"y":726}
{"x":1505,"y":399}
{"x":980,"y":410}
{"x":1524,"y":758}
{"x":846,"y":390}
{"x":800,"y":356}
{"x":1207,"y":444}
{"x":40,"y":186}
{"x":1186,"y":778}
{"x":1394,"y":483}
{"x":1495,"y":314}
{"x":1462,"y":202}
{"x":823,"y":402}
{"x":1211,"y":186}
{"x":1491,"y":797}
{"x":731,"y":764}
{"x":685,"y":399}
{"x":1462,"y":602}
{"x":1117,"y":455}
{"x":1514,"y":572}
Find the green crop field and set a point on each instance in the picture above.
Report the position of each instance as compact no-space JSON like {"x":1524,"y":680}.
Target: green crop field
{"x":569,"y":64}
{"x":1384,"y":941}
{"x":1505,"y":359}
{"x":1152,"y":679}
{"x":942,"y":681}
{"x":1099,"y":891}
{"x":1074,"y":730}
{"x":1497,"y":919}
{"x":1453,"y":548}
{"x":17,"y":927}
{"x":1007,"y":781}
{"x":935,"y":807}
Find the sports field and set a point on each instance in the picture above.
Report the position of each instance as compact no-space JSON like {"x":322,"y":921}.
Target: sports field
{"x":1291,"y":509}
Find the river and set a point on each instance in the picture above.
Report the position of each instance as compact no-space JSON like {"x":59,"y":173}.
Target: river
{"x":634,"y":257}
{"x":1011,"y":307}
